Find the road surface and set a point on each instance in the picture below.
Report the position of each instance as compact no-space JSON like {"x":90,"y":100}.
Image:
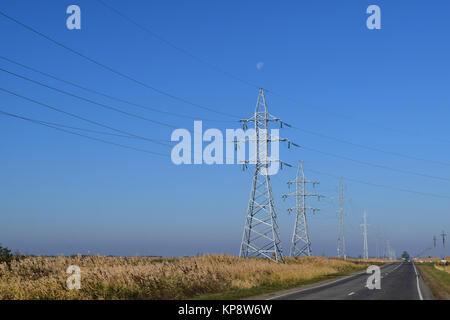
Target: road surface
{"x":399,"y":281}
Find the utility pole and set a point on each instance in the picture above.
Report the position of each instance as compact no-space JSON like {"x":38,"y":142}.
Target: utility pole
{"x":434,"y":241}
{"x":261,"y":236}
{"x":443,"y":235}
{"x":341,"y":238}
{"x":389,"y":250}
{"x":377,"y":242}
{"x":301,"y":242}
{"x":366,"y":248}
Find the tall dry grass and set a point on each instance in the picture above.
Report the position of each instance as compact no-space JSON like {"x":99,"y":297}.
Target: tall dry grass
{"x":155,"y":278}
{"x":443,"y":267}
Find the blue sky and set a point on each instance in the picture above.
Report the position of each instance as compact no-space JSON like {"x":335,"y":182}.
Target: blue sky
{"x":325,"y":72}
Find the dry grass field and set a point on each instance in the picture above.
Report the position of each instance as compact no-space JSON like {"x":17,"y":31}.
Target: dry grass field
{"x":160,"y":278}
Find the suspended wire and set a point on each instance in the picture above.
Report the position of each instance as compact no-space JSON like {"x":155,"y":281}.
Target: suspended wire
{"x":127,"y":134}
{"x":176,"y":97}
{"x":55,"y":126}
{"x":106,"y":95}
{"x":152,"y":33}
{"x":174,"y":127}
{"x":193,"y":56}
{"x":217,"y":68}
{"x":381,"y":186}
{"x":373,"y":124}
{"x":82,"y":118}
{"x":123,"y":75}
{"x":375,"y":165}
{"x":369,"y":147}
{"x":89,"y":130}
{"x":89,"y":100}
{"x":119,"y":73}
{"x":80,"y":135}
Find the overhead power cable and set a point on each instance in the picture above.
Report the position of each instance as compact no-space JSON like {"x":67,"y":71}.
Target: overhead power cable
{"x":82,"y":118}
{"x":153,"y":109}
{"x":89,"y":100}
{"x":381,"y":185}
{"x":178,"y":48}
{"x":119,"y":73}
{"x":217,"y":68}
{"x":375,"y":165}
{"x":398,"y":154}
{"x":81,"y":135}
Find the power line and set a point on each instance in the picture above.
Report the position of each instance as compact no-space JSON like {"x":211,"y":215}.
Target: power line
{"x":217,"y":68}
{"x":153,"y":109}
{"x":373,"y":124}
{"x":370,"y":148}
{"x":89,"y":130}
{"x":375,"y":165}
{"x":81,"y":135}
{"x":82,"y":118}
{"x":174,"y":127}
{"x":178,"y":48}
{"x":383,"y":186}
{"x":121,"y":74}
{"x":89,"y":100}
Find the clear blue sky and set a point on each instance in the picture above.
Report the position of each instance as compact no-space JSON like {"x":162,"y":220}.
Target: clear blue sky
{"x":386,"y":89}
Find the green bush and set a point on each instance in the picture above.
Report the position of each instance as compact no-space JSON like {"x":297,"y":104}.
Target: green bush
{"x":5,"y":255}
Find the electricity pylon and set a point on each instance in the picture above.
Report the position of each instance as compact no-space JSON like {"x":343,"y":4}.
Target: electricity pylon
{"x":443,"y":235}
{"x":366,"y":248}
{"x":301,"y":242}
{"x":261,"y":236}
{"x":434,"y":242}
{"x":378,"y":241}
{"x":341,"y":237}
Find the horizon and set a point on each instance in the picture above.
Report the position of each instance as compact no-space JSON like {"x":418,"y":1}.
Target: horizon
{"x":368,"y":105}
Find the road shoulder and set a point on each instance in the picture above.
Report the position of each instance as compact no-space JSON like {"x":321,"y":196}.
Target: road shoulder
{"x":430,"y":287}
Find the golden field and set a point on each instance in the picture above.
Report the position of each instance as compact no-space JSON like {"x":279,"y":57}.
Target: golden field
{"x":442,"y":267}
{"x":157,"y":278}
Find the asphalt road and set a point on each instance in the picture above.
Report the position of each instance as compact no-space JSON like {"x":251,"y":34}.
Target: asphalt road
{"x":399,"y":281}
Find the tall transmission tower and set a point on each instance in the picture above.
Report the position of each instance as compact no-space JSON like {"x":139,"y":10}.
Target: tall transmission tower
{"x":366,"y":248}
{"x":377,"y":242}
{"x":341,"y":237}
{"x":301,"y":242}
{"x":443,"y":235}
{"x":434,"y":242}
{"x":261,"y":236}
{"x":390,"y":251}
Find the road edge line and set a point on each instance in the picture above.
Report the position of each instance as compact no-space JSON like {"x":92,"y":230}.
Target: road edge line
{"x":418,"y":284}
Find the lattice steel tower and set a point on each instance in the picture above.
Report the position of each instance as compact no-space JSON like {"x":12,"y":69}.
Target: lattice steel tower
{"x":443,"y":235}
{"x":341,"y":237}
{"x":366,"y":247}
{"x":261,"y":237}
{"x":434,"y":242}
{"x":301,"y":242}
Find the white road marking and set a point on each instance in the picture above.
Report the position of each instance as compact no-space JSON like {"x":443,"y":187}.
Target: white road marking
{"x":351,"y":293}
{"x":418,"y":285}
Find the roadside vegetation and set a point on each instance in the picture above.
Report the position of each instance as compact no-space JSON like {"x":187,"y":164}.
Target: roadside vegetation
{"x":437,"y":276}
{"x":207,"y":276}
